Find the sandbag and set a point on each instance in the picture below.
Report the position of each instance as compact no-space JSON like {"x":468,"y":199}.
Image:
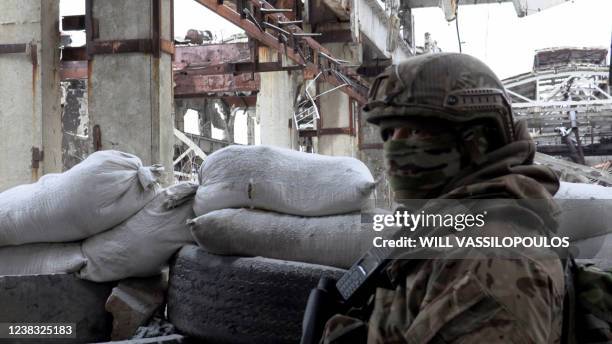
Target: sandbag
{"x":282,"y":180}
{"x":41,"y":259}
{"x":141,"y":246}
{"x":585,"y":210}
{"x":331,"y":240}
{"x":93,"y":196}
{"x":583,"y":191}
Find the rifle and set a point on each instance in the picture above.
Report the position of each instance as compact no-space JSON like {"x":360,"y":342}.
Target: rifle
{"x":351,"y":290}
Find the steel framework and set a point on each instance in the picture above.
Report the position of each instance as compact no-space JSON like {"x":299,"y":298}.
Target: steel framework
{"x":560,"y":101}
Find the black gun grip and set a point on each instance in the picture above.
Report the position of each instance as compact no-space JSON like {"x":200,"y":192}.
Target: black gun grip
{"x":323,"y":303}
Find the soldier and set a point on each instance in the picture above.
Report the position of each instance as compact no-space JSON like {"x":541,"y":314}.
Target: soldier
{"x":449,"y":133}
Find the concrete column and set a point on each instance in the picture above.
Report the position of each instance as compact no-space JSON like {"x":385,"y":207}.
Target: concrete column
{"x":130,"y":94}
{"x":275,"y":104}
{"x":335,"y":109}
{"x":30,"y":114}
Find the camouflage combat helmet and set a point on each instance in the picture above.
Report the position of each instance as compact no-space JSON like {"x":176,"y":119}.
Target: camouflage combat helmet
{"x":448,"y":86}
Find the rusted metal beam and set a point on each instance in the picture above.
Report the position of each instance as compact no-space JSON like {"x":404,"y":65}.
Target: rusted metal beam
{"x":74,"y":54}
{"x":326,"y":131}
{"x":248,"y":26}
{"x":308,"y":133}
{"x":358,"y":91}
{"x":334,"y":131}
{"x":73,"y":23}
{"x":237,"y":68}
{"x":73,"y":70}
{"x":21,"y":48}
{"x":211,"y":54}
{"x":13,"y":48}
{"x":206,"y":84}
{"x":358,"y":88}
{"x":145,"y":46}
{"x":336,"y":36}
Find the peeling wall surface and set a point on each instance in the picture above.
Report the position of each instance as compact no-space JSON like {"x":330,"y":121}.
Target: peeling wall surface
{"x":75,"y":123}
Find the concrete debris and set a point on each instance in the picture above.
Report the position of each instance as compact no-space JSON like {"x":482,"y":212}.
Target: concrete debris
{"x":157,"y":327}
{"x":133,"y":302}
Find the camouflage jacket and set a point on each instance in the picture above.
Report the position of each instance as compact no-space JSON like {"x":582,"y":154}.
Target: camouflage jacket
{"x":487,"y":299}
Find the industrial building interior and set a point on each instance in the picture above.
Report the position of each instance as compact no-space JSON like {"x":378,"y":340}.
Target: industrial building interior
{"x":296,"y":77}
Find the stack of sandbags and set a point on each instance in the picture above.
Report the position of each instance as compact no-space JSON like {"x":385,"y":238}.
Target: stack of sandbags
{"x":48,"y":218}
{"x":283,"y":204}
{"x":105,"y":218}
{"x":93,"y":196}
{"x":587,"y":220}
{"x":142,"y":245}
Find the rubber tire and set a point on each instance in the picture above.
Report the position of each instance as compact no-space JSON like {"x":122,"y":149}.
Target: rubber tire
{"x":226,"y":299}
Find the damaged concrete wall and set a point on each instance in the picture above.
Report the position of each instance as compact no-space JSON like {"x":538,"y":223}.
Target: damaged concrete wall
{"x":75,"y":123}
{"x":29,"y":89}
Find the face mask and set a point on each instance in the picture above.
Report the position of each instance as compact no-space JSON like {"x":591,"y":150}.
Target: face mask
{"x":418,"y":166}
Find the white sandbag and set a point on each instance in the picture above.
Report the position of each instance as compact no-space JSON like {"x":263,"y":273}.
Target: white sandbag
{"x":583,"y":191}
{"x":93,"y":196}
{"x":39,"y":259}
{"x":142,"y":245}
{"x":282,"y":180}
{"x":585,"y":210}
{"x":331,"y":240}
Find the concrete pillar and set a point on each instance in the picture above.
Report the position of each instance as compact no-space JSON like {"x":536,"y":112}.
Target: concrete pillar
{"x":336,"y":110}
{"x":275,"y":104}
{"x":130,"y":94}
{"x":30,"y":114}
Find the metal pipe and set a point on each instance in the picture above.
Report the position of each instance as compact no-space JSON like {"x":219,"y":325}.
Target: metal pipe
{"x":290,"y":22}
{"x":307,"y":34}
{"x":266,"y":24}
{"x":275,"y":10}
